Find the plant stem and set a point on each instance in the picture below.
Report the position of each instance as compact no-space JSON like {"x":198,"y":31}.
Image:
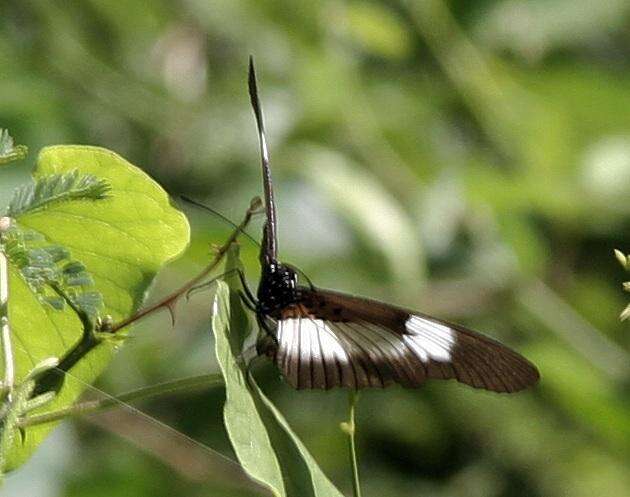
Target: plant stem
{"x":5,"y":331}
{"x":17,"y":404}
{"x":94,"y":406}
{"x":353,"y":396}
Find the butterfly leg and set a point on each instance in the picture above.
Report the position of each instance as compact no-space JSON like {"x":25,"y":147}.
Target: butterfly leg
{"x":267,"y":342}
{"x":246,"y":301}
{"x":247,"y":292}
{"x":208,"y":283}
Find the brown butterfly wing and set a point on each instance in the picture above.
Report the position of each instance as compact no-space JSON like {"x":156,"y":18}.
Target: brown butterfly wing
{"x":329,"y":339}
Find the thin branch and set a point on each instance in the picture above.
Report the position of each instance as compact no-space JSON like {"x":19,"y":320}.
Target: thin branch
{"x":349,"y":428}
{"x":170,"y":300}
{"x":94,"y":406}
{"x":90,"y":340}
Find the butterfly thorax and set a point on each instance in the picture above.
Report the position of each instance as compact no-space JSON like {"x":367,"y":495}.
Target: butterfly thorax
{"x":278,"y":288}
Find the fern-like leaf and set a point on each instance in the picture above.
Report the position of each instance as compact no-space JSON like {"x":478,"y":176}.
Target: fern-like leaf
{"x":10,"y":152}
{"x":50,"y":271}
{"x":57,"y":188}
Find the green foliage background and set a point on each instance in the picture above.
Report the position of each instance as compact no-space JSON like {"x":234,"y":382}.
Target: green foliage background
{"x":471,"y":160}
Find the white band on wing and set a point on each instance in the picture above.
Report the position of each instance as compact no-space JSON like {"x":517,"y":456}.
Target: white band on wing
{"x":429,"y":340}
{"x":313,"y":333}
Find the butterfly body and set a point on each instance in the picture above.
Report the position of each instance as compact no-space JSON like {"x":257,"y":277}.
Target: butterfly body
{"x":320,"y":339}
{"x":278,"y":288}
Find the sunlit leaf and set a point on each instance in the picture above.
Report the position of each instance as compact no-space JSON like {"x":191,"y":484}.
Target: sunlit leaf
{"x":121,"y":240}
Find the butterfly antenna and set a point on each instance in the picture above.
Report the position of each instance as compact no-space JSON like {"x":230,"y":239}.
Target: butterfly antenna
{"x":271,"y":239}
{"x":221,"y":216}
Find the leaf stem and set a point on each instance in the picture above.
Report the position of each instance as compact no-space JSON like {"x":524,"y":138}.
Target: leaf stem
{"x":94,"y":406}
{"x":350,"y":429}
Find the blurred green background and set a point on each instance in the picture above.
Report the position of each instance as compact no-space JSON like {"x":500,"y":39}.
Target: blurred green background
{"x":467,"y":159}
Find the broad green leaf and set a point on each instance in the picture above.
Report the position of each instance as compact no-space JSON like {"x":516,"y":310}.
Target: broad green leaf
{"x":122,"y":240}
{"x":263,"y":441}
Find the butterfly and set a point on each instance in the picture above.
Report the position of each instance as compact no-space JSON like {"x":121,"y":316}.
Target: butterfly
{"x":320,"y":339}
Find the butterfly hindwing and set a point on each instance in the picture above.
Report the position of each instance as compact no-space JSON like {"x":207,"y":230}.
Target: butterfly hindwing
{"x":329,"y":339}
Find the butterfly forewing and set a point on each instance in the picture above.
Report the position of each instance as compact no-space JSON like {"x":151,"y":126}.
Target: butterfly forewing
{"x":328,"y":339}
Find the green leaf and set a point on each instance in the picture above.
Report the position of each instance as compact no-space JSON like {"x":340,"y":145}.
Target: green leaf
{"x":122,"y":241}
{"x":57,"y":188}
{"x":262,"y":439}
{"x":46,"y":266}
